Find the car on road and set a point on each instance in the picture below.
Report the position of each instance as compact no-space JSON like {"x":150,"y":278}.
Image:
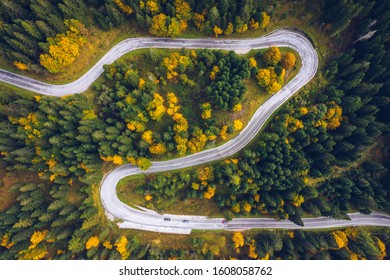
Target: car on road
{"x":185,"y":221}
{"x":167,"y":219}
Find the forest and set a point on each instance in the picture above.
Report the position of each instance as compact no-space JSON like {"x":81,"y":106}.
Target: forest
{"x":317,"y":155}
{"x":32,"y":40}
{"x":319,"y":132}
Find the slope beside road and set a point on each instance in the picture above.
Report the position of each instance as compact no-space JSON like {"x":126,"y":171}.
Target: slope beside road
{"x":144,"y":219}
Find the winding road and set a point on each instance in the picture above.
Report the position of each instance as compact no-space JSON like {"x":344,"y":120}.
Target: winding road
{"x":144,"y":219}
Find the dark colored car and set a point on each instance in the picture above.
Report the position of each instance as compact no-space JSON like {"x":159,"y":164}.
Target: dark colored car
{"x":185,"y":221}
{"x":167,"y":219}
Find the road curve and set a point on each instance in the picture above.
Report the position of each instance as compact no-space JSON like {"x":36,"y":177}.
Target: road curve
{"x":144,"y":219}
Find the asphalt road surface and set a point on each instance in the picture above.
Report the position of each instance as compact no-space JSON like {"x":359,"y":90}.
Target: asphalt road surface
{"x":144,"y":219}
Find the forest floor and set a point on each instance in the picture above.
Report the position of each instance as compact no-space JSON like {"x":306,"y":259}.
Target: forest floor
{"x":7,"y":180}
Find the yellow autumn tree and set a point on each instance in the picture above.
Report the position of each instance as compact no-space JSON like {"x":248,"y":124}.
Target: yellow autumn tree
{"x":253,"y":24}
{"x":223,"y":132}
{"x":5,"y":241}
{"x":382,"y":247}
{"x":152,"y":6}
{"x":117,"y":159}
{"x":159,"y":27}
{"x":64,"y":48}
{"x":37,"y":253}
{"x":298,"y":200}
{"x":217,"y":31}
{"x":293,"y":124}
{"x":172,"y":101}
{"x":141,"y":83}
{"x":198,"y":20}
{"x":107,"y":244}
{"x":181,"y":144}
{"x":181,"y":123}
{"x":263,"y":77}
{"x":252,"y":62}
{"x":197,"y":141}
{"x":237,"y":107}
{"x":206,"y":111}
{"x":237,"y":124}
{"x":121,"y":247}
{"x":183,"y":10}
{"x":304,"y":111}
{"x":143,"y":163}
{"x":272,"y":56}
{"x":246,"y":207}
{"x":229,"y":29}
{"x":269,"y":80}
{"x":124,"y":8}
{"x":213,"y":73}
{"x":205,"y":173}
{"x":136,"y":126}
{"x":158,"y":149}
{"x":173,"y":61}
{"x":175,"y":27}
{"x":36,"y":238}
{"x":341,"y":238}
{"x":195,"y":186}
{"x":20,"y":65}
{"x":252,"y":250}
{"x":265,"y":19}
{"x":243,"y":28}
{"x":333,"y":117}
{"x":238,"y":240}
{"x":209,"y":193}
{"x":147,"y":136}
{"x":236,"y":208}
{"x":172,"y":98}
{"x":92,"y":242}
{"x":274,"y":87}
{"x":60,"y":55}
{"x":156,"y":107}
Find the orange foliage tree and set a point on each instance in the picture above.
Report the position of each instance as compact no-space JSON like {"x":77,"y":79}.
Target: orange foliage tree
{"x":92,"y":242}
{"x":288,"y":61}
{"x":20,"y":65}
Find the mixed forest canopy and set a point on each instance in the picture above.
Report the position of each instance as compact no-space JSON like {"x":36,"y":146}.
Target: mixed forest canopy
{"x":38,"y":32}
{"x":314,"y":157}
